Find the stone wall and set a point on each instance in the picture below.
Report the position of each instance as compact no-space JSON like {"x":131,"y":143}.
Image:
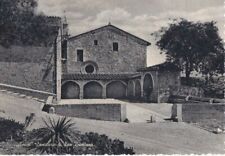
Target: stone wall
{"x":187,"y":91}
{"x":129,"y":58}
{"x":166,"y":80}
{"x":30,"y":67}
{"x":109,"y":112}
{"x":200,"y":113}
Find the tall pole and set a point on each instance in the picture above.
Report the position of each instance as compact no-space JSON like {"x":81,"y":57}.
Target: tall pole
{"x":59,"y":63}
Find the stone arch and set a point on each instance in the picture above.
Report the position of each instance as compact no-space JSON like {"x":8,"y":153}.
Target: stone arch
{"x":70,"y":90}
{"x":93,"y":90}
{"x":130,"y":89}
{"x":137,"y":89}
{"x":147,"y":85}
{"x":116,"y":90}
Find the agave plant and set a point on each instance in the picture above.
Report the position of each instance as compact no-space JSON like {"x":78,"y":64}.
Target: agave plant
{"x":55,"y":136}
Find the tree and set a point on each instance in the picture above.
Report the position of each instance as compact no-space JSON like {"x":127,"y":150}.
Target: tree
{"x":21,"y":25}
{"x":212,"y":65}
{"x":191,"y":45}
{"x":11,"y":12}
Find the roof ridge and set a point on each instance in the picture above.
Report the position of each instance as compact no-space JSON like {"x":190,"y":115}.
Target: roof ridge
{"x":110,"y":25}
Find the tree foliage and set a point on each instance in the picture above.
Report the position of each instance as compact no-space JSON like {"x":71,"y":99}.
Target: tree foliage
{"x":10,"y":129}
{"x":20,"y":24}
{"x":193,"y":46}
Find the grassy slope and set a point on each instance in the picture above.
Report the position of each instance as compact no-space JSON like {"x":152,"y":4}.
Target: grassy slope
{"x":146,"y":138}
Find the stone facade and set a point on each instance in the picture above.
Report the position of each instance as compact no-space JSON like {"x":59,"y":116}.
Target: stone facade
{"x":97,"y":47}
{"x":110,"y":63}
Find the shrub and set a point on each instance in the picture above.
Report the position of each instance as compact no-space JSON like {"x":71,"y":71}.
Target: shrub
{"x":103,"y":145}
{"x":10,"y":129}
{"x":58,"y":137}
{"x":213,"y":89}
{"x":54,"y":137}
{"x":54,"y":134}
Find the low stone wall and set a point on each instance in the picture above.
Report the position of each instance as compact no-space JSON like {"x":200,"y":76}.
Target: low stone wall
{"x":200,"y":113}
{"x":26,"y":91}
{"x":186,"y":91}
{"x":108,"y":112}
{"x":193,"y":99}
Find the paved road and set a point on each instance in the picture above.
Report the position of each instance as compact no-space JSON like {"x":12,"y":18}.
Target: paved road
{"x":164,"y":138}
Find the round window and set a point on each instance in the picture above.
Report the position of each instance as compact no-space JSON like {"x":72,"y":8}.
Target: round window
{"x":89,"y":69}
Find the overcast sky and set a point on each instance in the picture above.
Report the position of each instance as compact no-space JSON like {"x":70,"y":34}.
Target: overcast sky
{"x":139,"y":17}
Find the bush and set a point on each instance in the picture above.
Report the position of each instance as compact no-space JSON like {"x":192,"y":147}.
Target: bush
{"x":193,"y":82}
{"x":54,"y":138}
{"x":100,"y":144}
{"x":10,"y":129}
{"x":212,"y":89}
{"x":103,"y":145}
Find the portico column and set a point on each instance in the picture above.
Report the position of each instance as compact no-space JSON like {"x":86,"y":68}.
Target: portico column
{"x":104,"y":92}
{"x":142,"y":86}
{"x":81,"y":90}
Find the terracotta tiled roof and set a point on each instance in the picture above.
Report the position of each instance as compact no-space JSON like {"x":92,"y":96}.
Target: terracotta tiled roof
{"x":99,"y":76}
{"x":167,"y":66}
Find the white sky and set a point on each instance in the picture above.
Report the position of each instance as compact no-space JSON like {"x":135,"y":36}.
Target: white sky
{"x":139,"y":17}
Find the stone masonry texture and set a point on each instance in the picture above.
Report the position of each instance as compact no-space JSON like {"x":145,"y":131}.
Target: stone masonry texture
{"x":30,"y":67}
{"x":130,"y":56}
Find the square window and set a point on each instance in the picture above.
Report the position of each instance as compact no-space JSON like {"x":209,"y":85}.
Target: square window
{"x":95,"y":42}
{"x":115,"y":46}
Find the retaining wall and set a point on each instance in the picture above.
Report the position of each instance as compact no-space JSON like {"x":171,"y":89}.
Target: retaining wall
{"x":27,"y":66}
{"x":200,"y":113}
{"x":109,"y":112}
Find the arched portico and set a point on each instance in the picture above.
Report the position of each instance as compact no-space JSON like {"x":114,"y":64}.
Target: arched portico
{"x":92,"y":90}
{"x":70,"y":90}
{"x":147,"y":86}
{"x":130,"y":89}
{"x":116,"y":89}
{"x":137,"y":89}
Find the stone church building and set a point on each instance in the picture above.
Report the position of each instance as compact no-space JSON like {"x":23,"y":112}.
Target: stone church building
{"x":111,"y":63}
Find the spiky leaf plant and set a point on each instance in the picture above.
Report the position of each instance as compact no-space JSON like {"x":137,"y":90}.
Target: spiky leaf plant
{"x":56,"y":136}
